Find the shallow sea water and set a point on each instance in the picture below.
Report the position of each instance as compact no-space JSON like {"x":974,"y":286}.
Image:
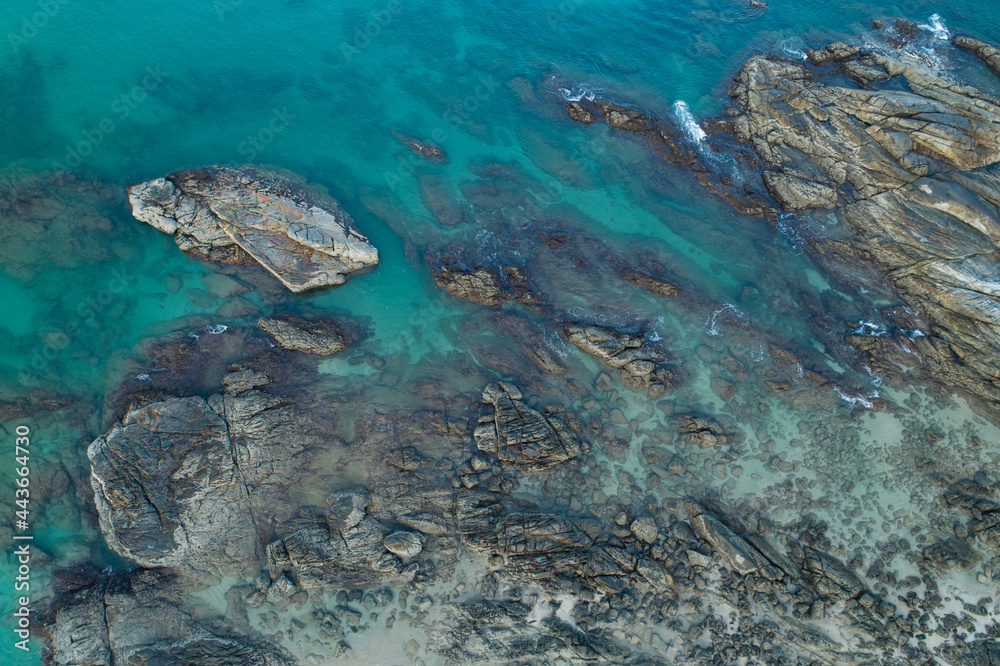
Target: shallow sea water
{"x":84,"y":286}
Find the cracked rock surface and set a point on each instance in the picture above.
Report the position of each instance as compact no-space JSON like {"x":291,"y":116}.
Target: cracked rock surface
{"x":231,"y":214}
{"x":519,"y":434}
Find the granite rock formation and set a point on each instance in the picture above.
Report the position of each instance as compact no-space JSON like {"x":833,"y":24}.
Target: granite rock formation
{"x":520,"y":435}
{"x":312,"y":553}
{"x":539,"y":546}
{"x":321,"y":337}
{"x":906,"y":158}
{"x":910,"y":173}
{"x":498,"y":632}
{"x":232,"y":213}
{"x":639,"y":363}
{"x":138,"y":618}
{"x":168,"y":490}
{"x":485,"y":285}
{"x":187,"y":482}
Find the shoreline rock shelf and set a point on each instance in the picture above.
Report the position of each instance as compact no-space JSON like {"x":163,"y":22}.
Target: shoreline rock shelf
{"x":906,"y":157}
{"x":233,"y":214}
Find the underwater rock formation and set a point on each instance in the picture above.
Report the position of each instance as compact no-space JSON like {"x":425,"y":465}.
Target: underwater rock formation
{"x":499,"y":632}
{"x":228,"y":214}
{"x":485,"y":285}
{"x":321,"y":337}
{"x":638,"y":363}
{"x":520,"y":435}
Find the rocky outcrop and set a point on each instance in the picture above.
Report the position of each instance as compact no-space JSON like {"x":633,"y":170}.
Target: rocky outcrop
{"x":186,"y":482}
{"x":650,"y":283}
{"x":313,"y":553}
{"x":823,"y":579}
{"x":500,"y":632}
{"x":976,"y":497}
{"x":168,"y":489}
{"x":321,"y":337}
{"x":231,"y":213}
{"x":639,"y":363}
{"x":485,"y":285}
{"x":906,"y":157}
{"x":910,"y":172}
{"x":988,"y":54}
{"x":138,"y":618}
{"x":520,"y":435}
{"x":829,"y":577}
{"x":834,"y":52}
{"x":541,"y":546}
{"x":734,"y":551}
{"x":706,"y":431}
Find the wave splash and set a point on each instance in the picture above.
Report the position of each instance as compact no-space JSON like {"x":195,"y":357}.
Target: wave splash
{"x":688,"y":123}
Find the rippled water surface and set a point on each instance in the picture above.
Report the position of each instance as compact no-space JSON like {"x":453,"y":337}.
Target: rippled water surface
{"x":85,"y":288}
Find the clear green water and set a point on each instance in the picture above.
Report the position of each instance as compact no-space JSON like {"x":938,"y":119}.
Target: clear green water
{"x":206,"y":77}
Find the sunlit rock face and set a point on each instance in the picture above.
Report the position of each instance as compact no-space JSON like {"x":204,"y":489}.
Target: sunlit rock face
{"x":232,"y":214}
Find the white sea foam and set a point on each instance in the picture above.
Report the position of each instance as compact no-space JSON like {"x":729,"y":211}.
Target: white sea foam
{"x":654,"y":335}
{"x":216,"y":330}
{"x":937,"y":28}
{"x":713,"y":327}
{"x":856,"y":400}
{"x":688,"y":123}
{"x":870,"y":328}
{"x":577,"y":92}
{"x":787,"y":230}
{"x":876,"y":379}
{"x":142,"y":376}
{"x":792,"y":52}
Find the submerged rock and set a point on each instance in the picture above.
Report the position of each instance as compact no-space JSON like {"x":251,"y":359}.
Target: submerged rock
{"x":500,"y":632}
{"x":988,"y":54}
{"x":231,"y":213}
{"x":321,"y":337}
{"x":706,"y":431}
{"x":638,"y":363}
{"x":429,"y":151}
{"x":486,"y":285}
{"x":519,"y":434}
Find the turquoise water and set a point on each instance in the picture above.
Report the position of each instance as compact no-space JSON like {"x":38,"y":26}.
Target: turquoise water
{"x":119,"y":92}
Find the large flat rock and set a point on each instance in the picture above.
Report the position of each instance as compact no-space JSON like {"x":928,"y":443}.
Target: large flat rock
{"x":233,"y":214}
